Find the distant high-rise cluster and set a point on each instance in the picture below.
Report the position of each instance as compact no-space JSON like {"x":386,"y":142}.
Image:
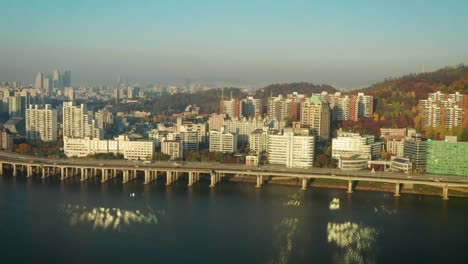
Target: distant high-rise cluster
{"x":447,"y":110}
{"x":55,"y":81}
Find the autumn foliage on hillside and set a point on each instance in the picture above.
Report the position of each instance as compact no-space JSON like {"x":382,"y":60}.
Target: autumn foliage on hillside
{"x":396,"y":99}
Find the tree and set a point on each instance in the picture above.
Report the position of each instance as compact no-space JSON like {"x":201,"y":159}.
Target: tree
{"x":24,"y":148}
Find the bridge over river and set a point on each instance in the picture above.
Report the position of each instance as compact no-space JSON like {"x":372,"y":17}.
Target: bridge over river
{"x":127,"y":170}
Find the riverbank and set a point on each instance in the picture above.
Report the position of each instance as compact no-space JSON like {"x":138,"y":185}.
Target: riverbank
{"x":360,"y":186}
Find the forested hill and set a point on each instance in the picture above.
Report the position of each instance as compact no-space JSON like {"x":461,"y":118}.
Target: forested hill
{"x":288,"y":88}
{"x":448,"y":80}
{"x":208,"y":101}
{"x":396,"y":99}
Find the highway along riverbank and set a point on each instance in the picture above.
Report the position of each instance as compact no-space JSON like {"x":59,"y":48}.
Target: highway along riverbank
{"x":358,"y":186}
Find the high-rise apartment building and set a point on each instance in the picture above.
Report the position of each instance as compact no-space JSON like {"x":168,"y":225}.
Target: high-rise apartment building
{"x":230,"y":108}
{"x":69,"y":93}
{"x":361,"y":105}
{"x":447,"y":110}
{"x":77,"y":123}
{"x":46,"y":84}
{"x":250,"y":107}
{"x":41,"y":123}
{"x":258,"y":140}
{"x":281,"y":108}
{"x":315,"y":114}
{"x":66,"y":79}
{"x":348,"y":107}
{"x":291,"y":149}
{"x":222,"y":141}
{"x":56,"y":80}
{"x":17,"y":106}
{"x":216,"y":122}
{"x":38,"y":81}
{"x":6,"y":139}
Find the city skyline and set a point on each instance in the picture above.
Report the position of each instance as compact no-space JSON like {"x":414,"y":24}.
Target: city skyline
{"x":346,"y":45}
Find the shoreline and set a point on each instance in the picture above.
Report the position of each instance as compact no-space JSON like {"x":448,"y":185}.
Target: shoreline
{"x":364,"y":186}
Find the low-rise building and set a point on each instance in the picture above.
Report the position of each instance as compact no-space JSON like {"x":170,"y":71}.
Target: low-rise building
{"x":400,"y":164}
{"x":173,"y":148}
{"x":352,"y":162}
{"x":251,"y":160}
{"x":83,"y":147}
{"x":352,"y":143}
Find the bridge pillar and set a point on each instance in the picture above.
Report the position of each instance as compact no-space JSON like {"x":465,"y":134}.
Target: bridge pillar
{"x":43,"y":173}
{"x":190,"y":178}
{"x":14,"y":170}
{"x":28,"y":171}
{"x":259,"y":181}
{"x":350,"y":187}
{"x":147,"y":177}
{"x":1,"y":168}
{"x":125,"y":176}
{"x":397,"y":190}
{"x":304,"y":184}
{"x":445,"y":192}
{"x":82,"y":175}
{"x":213,"y":180}
{"x":103,"y":175}
{"x":62,"y":174}
{"x":169,"y":178}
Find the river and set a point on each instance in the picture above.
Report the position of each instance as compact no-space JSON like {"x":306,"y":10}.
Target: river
{"x":49,"y":221}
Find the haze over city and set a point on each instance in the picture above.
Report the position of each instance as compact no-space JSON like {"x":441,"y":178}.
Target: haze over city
{"x":342,"y":43}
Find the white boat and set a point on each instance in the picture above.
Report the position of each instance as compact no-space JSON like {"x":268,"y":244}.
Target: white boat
{"x":335,"y":204}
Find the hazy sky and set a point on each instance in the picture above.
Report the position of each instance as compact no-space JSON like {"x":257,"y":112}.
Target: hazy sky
{"x":343,"y":43}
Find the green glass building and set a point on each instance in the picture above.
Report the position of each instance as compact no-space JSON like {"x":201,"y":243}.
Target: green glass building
{"x":447,"y":158}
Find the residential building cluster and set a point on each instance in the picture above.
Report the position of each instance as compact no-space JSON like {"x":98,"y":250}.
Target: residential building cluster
{"x":446,"y":110}
{"x":289,"y":133}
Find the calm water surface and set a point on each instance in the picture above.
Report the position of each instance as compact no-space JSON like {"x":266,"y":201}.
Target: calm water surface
{"x":48,"y":221}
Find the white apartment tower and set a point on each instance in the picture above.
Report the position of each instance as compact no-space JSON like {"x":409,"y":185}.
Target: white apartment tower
{"x":291,"y":149}
{"x":41,"y":123}
{"x":315,"y":114}
{"x":77,"y":123}
{"x":222,"y":141}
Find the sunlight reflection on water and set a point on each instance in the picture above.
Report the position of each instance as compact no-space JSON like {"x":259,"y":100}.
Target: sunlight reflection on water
{"x":109,"y":218}
{"x":356,"y":241}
